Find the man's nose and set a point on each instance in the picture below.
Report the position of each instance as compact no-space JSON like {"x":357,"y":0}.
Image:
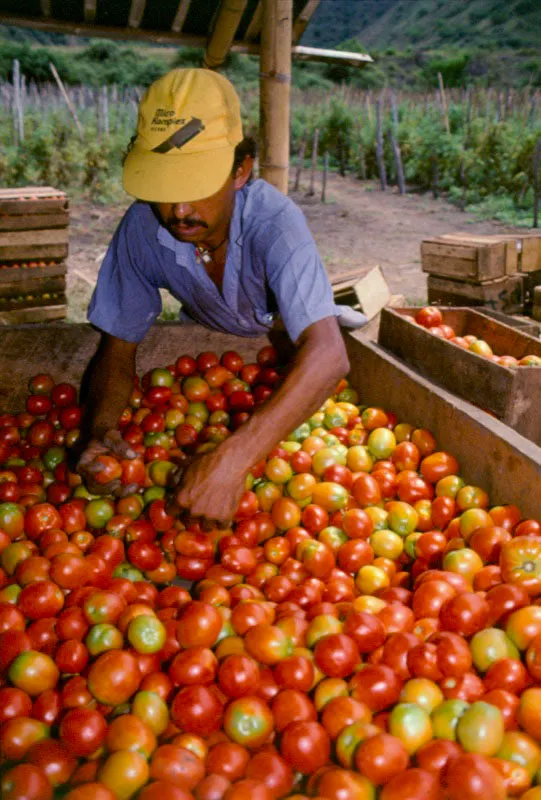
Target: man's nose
{"x":181,"y":210}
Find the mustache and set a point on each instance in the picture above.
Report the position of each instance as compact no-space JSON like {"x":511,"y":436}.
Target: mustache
{"x":190,"y":222}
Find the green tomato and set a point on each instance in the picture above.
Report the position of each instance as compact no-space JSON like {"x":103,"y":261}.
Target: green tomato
{"x":146,"y":634}
{"x":381,"y":443}
{"x":129,"y":572}
{"x":300,"y":433}
{"x":54,"y":456}
{"x":491,"y":645}
{"x":481,"y":729}
{"x":412,"y":724}
{"x":153,"y":493}
{"x":161,"y":377}
{"x":103,"y":637}
{"x":445,"y":718}
{"x":98,"y":512}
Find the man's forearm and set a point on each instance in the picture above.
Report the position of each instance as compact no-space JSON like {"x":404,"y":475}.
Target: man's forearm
{"x":110,"y":385}
{"x":319,"y":365}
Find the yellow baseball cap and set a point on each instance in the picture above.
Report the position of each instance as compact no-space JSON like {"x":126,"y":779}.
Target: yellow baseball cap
{"x":188,"y":127}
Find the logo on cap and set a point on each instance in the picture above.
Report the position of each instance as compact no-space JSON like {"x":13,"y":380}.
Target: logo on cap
{"x":181,"y":137}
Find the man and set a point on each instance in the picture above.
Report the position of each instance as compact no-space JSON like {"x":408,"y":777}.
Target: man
{"x":232,"y":251}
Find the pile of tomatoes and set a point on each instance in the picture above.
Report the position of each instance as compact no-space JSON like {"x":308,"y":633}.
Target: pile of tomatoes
{"x":431,"y":318}
{"x":369,"y":626}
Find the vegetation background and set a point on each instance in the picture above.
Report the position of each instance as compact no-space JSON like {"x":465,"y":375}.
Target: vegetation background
{"x":487,"y":52}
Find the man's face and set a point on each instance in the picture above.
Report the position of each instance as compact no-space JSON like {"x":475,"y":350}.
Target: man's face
{"x":201,"y":222}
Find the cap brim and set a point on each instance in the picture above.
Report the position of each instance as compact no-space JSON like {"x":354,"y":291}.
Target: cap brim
{"x":175,"y":178}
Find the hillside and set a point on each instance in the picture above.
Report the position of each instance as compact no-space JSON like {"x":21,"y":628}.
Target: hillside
{"x":380,"y":24}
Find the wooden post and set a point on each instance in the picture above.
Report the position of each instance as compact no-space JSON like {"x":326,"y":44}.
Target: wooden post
{"x":435,"y":177}
{"x":379,"y":146}
{"x":536,"y":182}
{"x":324,"y":180}
{"x":18,"y":103}
{"x":396,"y":147}
{"x":274,"y":91}
{"x":67,"y":99}
{"x":444,"y":103}
{"x":315,"y":142}
{"x":362,"y":162}
{"x":105,"y":109}
{"x":300,"y":164}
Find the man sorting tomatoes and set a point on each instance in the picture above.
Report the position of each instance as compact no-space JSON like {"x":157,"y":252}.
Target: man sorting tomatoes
{"x":239,"y":257}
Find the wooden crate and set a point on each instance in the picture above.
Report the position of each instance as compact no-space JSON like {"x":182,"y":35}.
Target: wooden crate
{"x":505,"y":294}
{"x":490,"y":455}
{"x":33,"y":224}
{"x":512,"y":247}
{"x":35,"y":314}
{"x":511,"y":394}
{"x":472,"y":261}
{"x":22,"y":289}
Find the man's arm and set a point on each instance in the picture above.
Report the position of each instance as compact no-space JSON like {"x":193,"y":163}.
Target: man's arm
{"x":110,"y":383}
{"x":213,"y":485}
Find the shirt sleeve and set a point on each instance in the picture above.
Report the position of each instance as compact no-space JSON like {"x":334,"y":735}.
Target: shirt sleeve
{"x":300,"y":283}
{"x":126,"y":301}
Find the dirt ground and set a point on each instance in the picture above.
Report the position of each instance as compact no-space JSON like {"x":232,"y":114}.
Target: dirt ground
{"x":357,"y":228}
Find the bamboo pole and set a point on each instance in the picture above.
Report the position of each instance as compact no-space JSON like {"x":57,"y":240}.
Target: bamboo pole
{"x":536,"y":182}
{"x":227,"y":22}
{"x":315,"y":142}
{"x":379,"y":146}
{"x":396,"y":147}
{"x":180,"y":16}
{"x":444,"y":103}
{"x":303,"y":19}
{"x":274,"y":93}
{"x":18,"y":103}
{"x":300,"y":164}
{"x":67,"y":99}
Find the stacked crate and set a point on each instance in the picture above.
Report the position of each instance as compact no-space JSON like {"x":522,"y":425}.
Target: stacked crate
{"x":33,"y":251}
{"x":471,"y":270}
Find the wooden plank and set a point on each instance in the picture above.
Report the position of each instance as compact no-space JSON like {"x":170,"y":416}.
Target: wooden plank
{"x":254,"y":28}
{"x":137,"y":10}
{"x":530,"y":260}
{"x":13,"y":276}
{"x":90,"y":10}
{"x":31,"y":287}
{"x":25,"y":192}
{"x":461,"y":268}
{"x":8,"y":304}
{"x":511,"y":394}
{"x":446,"y":250}
{"x":26,"y":315}
{"x":23,"y":238}
{"x":14,"y":222}
{"x":12,"y":208}
{"x":490,"y":454}
{"x":180,"y":16}
{"x":301,"y":23}
{"x":505,"y":294}
{"x":33,"y":252}
{"x":372,"y":292}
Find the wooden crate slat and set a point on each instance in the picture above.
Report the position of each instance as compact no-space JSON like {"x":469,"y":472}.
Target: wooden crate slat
{"x":26,"y":315}
{"x":10,"y":275}
{"x":22,"y":238}
{"x":14,"y":222}
{"x":32,"y":286}
{"x":33,"y":301}
{"x":505,"y":294}
{"x":48,"y":205}
{"x":34,"y":252}
{"x":21,"y":192}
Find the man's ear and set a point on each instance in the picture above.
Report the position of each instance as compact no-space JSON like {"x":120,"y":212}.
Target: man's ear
{"x":243,"y":172}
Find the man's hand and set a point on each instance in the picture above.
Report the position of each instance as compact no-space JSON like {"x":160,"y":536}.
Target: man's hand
{"x":112,"y":444}
{"x":213,"y":484}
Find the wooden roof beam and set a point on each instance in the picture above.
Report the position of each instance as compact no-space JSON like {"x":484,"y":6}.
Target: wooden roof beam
{"x":345,"y":57}
{"x":180,"y":16}
{"x":90,"y":11}
{"x":221,"y":38}
{"x":300,"y":24}
{"x":254,"y":28}
{"x":137,"y":9}
{"x":103,"y":31}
